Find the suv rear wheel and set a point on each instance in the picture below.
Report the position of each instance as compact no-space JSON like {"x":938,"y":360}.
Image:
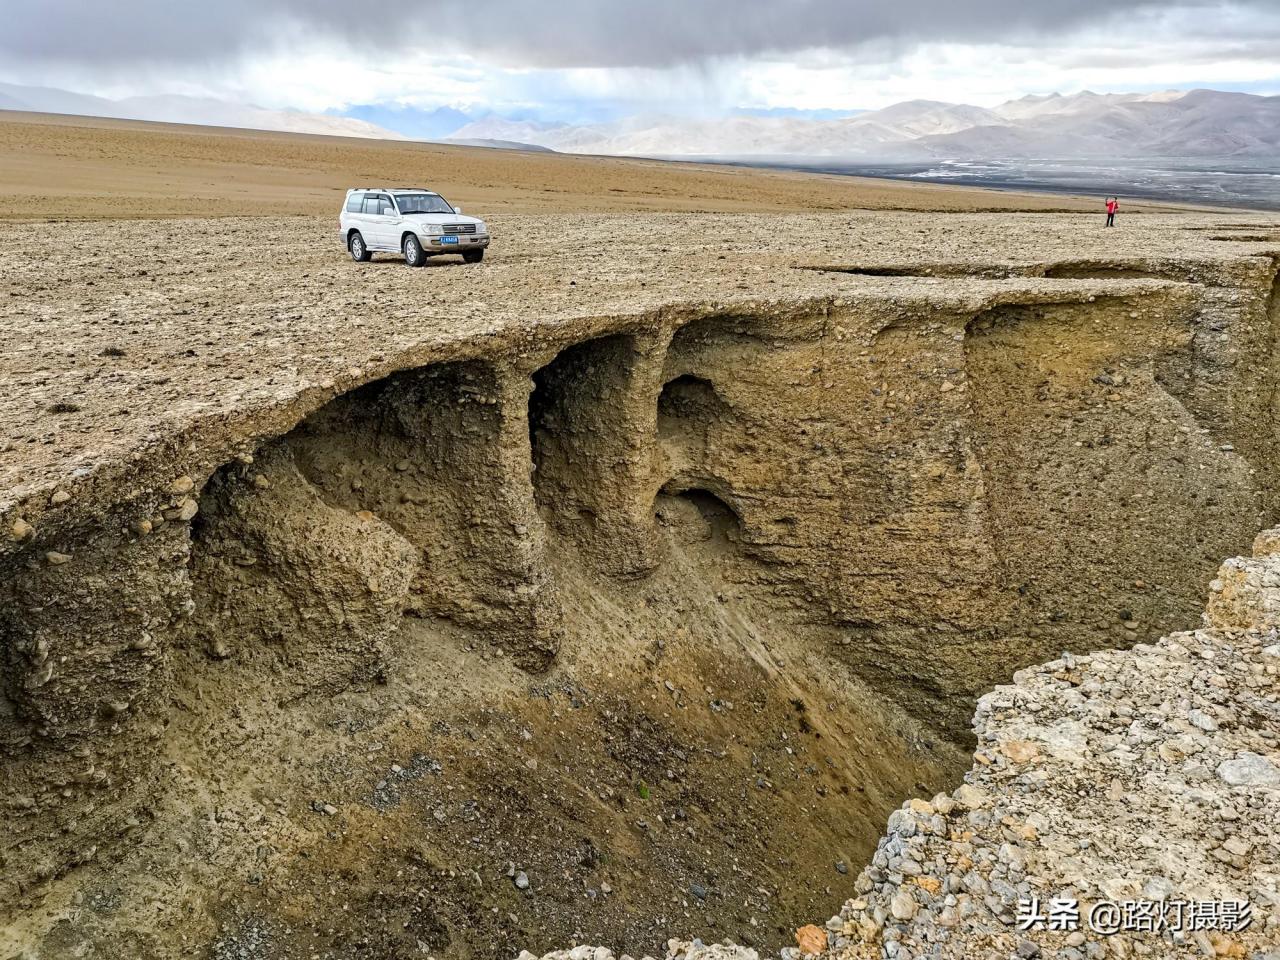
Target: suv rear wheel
{"x":413,"y":254}
{"x":359,"y":250}
{"x":472,"y":256}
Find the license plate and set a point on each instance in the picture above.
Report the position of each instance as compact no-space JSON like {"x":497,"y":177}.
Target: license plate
{"x":448,"y":239}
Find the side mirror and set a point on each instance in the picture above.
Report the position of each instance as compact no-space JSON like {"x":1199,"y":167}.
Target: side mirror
{"x":458,"y":211}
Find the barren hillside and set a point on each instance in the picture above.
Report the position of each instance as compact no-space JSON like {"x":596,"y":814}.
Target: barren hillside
{"x":83,"y":168}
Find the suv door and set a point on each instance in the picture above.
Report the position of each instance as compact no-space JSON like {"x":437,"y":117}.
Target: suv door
{"x":352,"y":217}
{"x":379,"y":222}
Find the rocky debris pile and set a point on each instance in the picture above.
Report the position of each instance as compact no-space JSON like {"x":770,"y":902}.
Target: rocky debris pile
{"x":1151,"y":774}
{"x":1147,"y":775}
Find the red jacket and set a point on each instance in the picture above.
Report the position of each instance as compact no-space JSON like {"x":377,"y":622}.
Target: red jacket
{"x":1112,"y":206}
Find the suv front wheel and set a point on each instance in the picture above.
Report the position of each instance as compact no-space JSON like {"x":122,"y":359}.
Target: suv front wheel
{"x":413,"y":254}
{"x":359,"y":250}
{"x":472,"y":256}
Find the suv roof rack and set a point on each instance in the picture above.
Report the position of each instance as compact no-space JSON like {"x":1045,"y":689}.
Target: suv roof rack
{"x":396,"y":189}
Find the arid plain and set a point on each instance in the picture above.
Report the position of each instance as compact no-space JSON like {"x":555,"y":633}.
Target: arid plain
{"x":81,"y":168}
{"x":624,"y":586}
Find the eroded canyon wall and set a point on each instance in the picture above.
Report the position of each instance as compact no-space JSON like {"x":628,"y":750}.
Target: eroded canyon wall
{"x":956,"y":486}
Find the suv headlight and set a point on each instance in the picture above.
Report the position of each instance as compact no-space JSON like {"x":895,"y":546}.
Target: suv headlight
{"x":432,"y":230}
{"x":482,"y":227}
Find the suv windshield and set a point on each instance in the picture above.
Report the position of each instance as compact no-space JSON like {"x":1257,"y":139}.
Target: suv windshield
{"x":422,"y":203}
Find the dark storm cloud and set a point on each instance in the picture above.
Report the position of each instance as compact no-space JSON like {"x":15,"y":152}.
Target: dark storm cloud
{"x":557,"y":33}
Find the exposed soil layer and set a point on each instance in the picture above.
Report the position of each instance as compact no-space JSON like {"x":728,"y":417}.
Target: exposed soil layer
{"x":621,"y":600}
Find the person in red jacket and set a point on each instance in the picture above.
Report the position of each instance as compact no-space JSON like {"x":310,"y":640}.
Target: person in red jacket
{"x":1113,"y":204}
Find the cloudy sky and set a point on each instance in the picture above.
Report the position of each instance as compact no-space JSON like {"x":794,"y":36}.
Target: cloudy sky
{"x":587,"y":59}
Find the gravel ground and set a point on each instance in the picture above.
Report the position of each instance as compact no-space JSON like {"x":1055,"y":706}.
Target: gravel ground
{"x":121,"y":342}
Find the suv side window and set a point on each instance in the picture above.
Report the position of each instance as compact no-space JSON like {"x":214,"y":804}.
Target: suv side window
{"x":377,"y":205}
{"x":355,"y":203}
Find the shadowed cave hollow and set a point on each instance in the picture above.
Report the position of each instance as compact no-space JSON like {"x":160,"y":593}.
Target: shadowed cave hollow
{"x":619,"y":623}
{"x":722,"y":526}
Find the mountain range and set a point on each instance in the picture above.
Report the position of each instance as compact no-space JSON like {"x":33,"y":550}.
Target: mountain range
{"x":1195,"y":123}
{"x":1185,"y":124}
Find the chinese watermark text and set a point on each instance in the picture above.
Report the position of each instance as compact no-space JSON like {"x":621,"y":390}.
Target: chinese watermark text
{"x":1134,"y":916}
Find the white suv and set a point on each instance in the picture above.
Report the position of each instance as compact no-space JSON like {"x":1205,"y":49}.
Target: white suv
{"x":415,"y":223}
